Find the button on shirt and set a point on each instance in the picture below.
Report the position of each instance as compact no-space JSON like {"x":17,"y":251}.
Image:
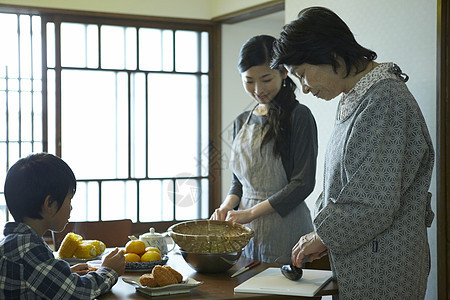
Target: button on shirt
{"x":29,"y":270}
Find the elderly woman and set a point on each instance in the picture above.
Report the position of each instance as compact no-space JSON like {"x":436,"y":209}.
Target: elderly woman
{"x":373,"y":214}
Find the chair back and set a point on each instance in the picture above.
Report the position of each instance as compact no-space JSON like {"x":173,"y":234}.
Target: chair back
{"x":113,"y":233}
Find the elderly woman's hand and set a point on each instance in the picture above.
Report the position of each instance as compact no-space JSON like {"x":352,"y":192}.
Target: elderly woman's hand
{"x":309,"y":245}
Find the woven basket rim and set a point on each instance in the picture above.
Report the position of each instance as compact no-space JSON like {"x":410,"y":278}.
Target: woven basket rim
{"x":210,"y":237}
{"x":214,"y":253}
{"x":247,"y":231}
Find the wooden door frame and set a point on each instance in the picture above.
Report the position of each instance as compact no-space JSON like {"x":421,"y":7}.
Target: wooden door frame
{"x":443,"y":148}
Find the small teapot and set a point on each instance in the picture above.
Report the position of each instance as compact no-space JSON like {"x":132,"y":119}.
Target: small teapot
{"x":157,"y":240}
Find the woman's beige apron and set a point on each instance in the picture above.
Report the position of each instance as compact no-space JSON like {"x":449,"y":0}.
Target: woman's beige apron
{"x":262,"y":175}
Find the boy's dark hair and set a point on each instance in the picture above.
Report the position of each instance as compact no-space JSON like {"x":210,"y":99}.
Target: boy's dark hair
{"x":257,"y":51}
{"x":316,"y":37}
{"x":31,"y":179}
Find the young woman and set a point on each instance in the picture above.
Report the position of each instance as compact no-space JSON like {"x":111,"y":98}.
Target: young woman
{"x":374,"y":211}
{"x":273,"y":158}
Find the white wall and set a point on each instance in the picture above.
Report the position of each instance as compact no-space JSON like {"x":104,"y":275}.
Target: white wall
{"x":391,"y":29}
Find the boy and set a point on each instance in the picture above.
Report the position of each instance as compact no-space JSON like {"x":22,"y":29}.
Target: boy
{"x":38,"y":193}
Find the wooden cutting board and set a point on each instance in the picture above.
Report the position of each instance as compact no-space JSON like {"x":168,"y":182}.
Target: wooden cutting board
{"x":271,"y":281}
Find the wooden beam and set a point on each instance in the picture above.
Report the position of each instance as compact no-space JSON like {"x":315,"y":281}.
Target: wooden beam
{"x":251,"y":12}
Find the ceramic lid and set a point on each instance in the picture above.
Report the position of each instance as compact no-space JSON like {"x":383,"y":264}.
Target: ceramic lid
{"x":152,"y":234}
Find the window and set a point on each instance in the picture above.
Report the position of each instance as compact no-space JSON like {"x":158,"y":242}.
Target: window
{"x":20,"y":93}
{"x":125,"y":103}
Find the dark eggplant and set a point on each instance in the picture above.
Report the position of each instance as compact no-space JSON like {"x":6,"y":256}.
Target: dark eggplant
{"x":291,"y":272}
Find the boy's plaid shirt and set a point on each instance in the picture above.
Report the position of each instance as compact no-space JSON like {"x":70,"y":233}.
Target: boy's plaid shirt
{"x":29,"y":270}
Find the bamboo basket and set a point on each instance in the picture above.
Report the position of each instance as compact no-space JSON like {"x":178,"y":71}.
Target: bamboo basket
{"x":210,"y":236}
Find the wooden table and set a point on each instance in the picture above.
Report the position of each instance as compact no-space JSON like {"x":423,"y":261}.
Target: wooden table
{"x":215,"y":286}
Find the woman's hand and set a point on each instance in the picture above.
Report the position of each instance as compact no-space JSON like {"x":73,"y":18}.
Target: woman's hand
{"x":230,"y":202}
{"x":80,"y":269}
{"x":240,"y":216}
{"x":309,"y":245}
{"x":246,"y":216}
{"x":219,"y":214}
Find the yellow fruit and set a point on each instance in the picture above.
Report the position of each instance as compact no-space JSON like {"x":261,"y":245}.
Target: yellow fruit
{"x":152,"y":249}
{"x":132,"y":257}
{"x":135,"y":246}
{"x":150,"y":256}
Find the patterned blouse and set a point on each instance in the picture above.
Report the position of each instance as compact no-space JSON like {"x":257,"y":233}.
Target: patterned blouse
{"x":29,"y":270}
{"x":375,"y":207}
{"x":349,"y":101}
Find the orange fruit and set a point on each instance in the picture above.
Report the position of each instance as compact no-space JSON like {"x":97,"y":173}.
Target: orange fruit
{"x":135,"y":246}
{"x":152,"y":249}
{"x":132,"y":257}
{"x":150,"y":256}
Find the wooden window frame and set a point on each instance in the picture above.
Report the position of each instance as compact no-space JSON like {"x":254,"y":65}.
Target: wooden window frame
{"x":214,"y":113}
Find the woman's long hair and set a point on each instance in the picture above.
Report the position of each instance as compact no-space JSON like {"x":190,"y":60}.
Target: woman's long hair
{"x":257,"y":51}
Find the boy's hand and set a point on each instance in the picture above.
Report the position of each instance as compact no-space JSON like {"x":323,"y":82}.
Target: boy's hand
{"x":80,"y":269}
{"x":116,"y":261}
